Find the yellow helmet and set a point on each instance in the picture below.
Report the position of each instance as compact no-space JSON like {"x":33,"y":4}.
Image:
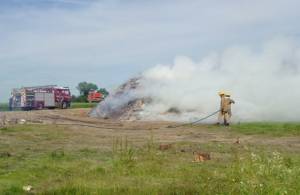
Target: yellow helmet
{"x":227,"y":94}
{"x":221,"y":93}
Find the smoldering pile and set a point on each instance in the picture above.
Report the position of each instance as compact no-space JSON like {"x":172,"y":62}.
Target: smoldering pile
{"x":129,"y":102}
{"x":124,"y":104}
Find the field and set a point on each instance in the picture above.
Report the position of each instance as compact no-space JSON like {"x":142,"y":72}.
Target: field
{"x":66,"y":152}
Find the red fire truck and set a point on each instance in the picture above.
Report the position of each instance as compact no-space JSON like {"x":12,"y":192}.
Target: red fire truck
{"x":95,"y":96}
{"x":40,"y":97}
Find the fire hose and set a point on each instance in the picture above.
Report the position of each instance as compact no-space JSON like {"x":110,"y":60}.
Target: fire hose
{"x":197,"y":121}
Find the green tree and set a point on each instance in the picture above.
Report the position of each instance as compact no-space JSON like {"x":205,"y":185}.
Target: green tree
{"x":104,"y":92}
{"x":85,"y":87}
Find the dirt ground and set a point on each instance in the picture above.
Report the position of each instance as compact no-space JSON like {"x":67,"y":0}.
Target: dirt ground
{"x":100,"y":132}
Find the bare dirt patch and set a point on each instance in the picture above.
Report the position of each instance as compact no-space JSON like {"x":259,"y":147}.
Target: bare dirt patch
{"x":99,"y":132}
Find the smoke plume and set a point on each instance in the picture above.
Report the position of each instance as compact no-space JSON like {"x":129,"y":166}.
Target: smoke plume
{"x":264,"y":82}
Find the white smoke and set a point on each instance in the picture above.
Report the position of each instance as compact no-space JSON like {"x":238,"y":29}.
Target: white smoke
{"x":263,"y":81}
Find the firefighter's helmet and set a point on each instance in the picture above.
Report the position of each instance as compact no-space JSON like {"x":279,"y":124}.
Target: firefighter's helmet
{"x":221,"y":93}
{"x":227,"y":94}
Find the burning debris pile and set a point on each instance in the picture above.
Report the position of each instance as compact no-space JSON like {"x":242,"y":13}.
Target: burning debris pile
{"x":132,"y":101}
{"x":124,"y":103}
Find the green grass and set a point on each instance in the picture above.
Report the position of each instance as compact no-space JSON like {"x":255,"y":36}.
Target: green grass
{"x":41,"y":156}
{"x":83,"y":105}
{"x":3,"y":107}
{"x":268,"y":128}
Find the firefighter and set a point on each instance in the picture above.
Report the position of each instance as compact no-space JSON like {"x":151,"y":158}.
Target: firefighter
{"x":220,"y":116}
{"x":227,"y":109}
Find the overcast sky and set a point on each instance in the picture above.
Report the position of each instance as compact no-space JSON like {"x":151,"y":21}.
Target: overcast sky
{"x":64,"y":42}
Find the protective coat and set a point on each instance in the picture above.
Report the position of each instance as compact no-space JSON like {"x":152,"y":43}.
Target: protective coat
{"x":225,"y":110}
